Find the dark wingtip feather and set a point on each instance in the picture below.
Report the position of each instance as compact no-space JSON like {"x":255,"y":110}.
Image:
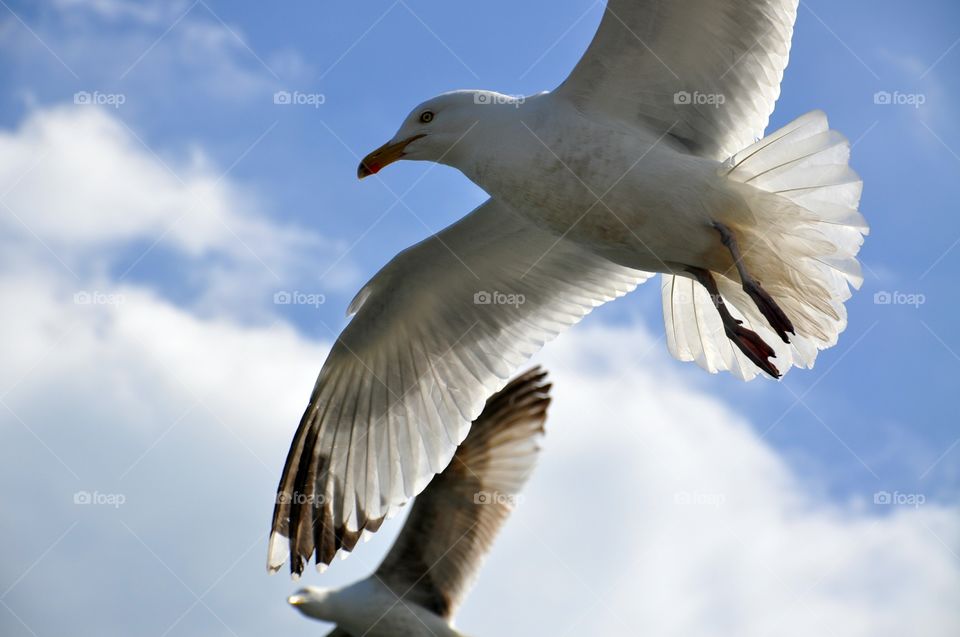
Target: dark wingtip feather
{"x":308,"y":521}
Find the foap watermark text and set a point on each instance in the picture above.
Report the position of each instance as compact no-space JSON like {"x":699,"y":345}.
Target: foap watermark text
{"x":95,"y":498}
{"x":896,"y":98}
{"x":484,"y":297}
{"x":886,"y":498}
{"x":96,"y":98}
{"x":296,"y":297}
{"x":298,"y":98}
{"x":696,"y":98}
{"x":884,"y":297}
{"x":496,"y":497}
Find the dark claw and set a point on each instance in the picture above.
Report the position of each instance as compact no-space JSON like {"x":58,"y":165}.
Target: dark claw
{"x":753,"y":347}
{"x":764,"y":302}
{"x":748,"y":341}
{"x":770,"y":310}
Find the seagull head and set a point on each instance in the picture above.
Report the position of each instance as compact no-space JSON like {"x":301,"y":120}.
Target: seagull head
{"x":313,"y":601}
{"x":434,"y":130}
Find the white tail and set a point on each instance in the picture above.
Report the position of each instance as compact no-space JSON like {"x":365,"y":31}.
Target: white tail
{"x":800,"y":238}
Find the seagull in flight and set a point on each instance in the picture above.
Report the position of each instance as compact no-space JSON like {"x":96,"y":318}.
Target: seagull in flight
{"x":649,"y":158}
{"x":451,"y":527}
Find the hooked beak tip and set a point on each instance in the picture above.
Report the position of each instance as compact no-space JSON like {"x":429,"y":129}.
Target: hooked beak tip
{"x":363,"y":170}
{"x":383,"y":156}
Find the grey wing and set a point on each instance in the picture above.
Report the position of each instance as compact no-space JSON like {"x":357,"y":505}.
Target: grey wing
{"x":454,"y":522}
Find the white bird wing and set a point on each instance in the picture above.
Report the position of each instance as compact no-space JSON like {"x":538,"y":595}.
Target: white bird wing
{"x":437,"y":330}
{"x":453,"y":523}
{"x":707,"y":70}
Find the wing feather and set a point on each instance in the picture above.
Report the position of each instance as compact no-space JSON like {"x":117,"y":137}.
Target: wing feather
{"x":708,"y":71}
{"x":453,"y":523}
{"x":435,"y":332}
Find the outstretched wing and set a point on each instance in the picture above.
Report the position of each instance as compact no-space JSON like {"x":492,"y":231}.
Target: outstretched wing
{"x":453,"y":523}
{"x":436,"y":331}
{"x":707,"y":70}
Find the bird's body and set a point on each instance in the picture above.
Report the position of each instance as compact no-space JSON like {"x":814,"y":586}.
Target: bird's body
{"x":372,"y":609}
{"x":635,"y":196}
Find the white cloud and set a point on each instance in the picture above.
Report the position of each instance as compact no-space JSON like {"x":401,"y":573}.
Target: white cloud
{"x":656,"y":509}
{"x":111,"y":189}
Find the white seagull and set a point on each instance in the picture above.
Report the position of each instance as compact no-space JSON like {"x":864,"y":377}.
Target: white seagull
{"x":451,"y":527}
{"x":648,"y":158}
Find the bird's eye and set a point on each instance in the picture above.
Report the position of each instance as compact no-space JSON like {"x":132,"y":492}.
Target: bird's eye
{"x":426,"y":117}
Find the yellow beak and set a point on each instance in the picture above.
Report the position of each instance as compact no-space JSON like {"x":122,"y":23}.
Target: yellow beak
{"x":384,"y":156}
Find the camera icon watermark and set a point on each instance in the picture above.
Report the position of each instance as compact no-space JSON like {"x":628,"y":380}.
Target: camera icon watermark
{"x":96,"y":98}
{"x":883,"y":297}
{"x":483,"y":297}
{"x":484,"y":97}
{"x":696,"y":98}
{"x":296,"y":297}
{"x":896,"y":98}
{"x":301,"y":498}
{"x":95,"y":498}
{"x":496,"y":497}
{"x":885,"y":498}
{"x":298,"y":98}
{"x":97,"y":297}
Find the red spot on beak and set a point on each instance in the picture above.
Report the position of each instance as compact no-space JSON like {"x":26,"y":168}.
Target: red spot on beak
{"x":383,"y":156}
{"x":365,"y":170}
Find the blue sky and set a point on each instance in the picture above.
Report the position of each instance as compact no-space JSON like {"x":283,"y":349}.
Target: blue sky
{"x":197,"y":84}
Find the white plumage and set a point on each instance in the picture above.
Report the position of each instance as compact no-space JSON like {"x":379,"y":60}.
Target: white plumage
{"x":644,"y":160}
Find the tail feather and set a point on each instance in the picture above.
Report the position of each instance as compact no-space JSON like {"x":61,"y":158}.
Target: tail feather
{"x":695,"y":331}
{"x":800,"y":238}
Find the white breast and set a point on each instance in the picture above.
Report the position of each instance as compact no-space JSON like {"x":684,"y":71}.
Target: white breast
{"x":640,"y":200}
{"x":369,"y":608}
